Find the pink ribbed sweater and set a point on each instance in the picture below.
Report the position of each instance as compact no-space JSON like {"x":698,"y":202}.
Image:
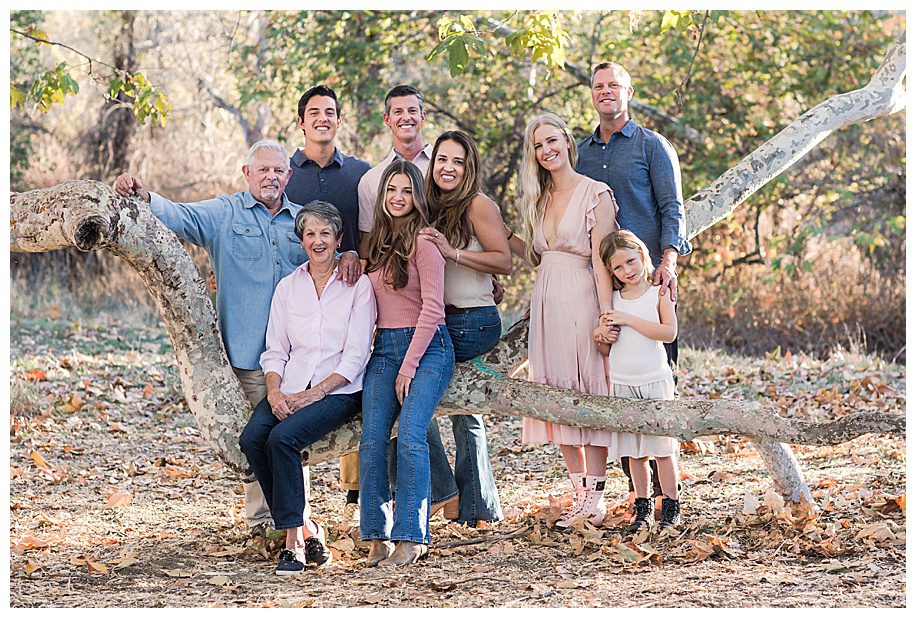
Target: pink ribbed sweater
{"x":418,"y":304}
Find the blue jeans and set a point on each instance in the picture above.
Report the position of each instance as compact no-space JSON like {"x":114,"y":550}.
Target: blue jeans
{"x":274,"y":448}
{"x":473,"y":333}
{"x":410,"y":518}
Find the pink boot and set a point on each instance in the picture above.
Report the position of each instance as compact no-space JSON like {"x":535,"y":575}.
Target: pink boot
{"x":580,"y":494}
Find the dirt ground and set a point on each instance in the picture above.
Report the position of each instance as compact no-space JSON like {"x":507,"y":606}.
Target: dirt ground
{"x":115,"y":500}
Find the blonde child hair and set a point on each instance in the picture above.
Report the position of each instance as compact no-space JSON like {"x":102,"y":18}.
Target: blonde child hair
{"x":624,"y":239}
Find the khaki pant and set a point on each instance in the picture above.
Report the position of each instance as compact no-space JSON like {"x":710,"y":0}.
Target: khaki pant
{"x":349,"y":471}
{"x":256,"y":510}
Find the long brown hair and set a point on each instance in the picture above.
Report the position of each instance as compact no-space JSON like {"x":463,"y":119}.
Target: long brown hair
{"x":450,"y":208}
{"x":391,"y":246}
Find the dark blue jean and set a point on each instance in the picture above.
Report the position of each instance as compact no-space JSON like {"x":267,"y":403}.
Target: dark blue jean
{"x":473,"y":333}
{"x":274,"y":447}
{"x":409,"y":520}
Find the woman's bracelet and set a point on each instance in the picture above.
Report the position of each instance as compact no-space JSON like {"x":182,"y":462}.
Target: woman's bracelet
{"x":457,"y":255}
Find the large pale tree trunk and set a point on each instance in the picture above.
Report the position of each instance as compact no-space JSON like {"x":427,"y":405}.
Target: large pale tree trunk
{"x":90,"y":216}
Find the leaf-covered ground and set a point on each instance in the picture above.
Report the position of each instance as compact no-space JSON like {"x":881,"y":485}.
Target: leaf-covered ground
{"x":115,"y":500}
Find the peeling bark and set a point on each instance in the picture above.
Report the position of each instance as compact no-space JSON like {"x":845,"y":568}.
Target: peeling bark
{"x":91,"y":216}
{"x":882,"y":96}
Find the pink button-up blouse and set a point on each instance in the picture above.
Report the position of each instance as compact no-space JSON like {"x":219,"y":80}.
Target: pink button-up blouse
{"x":309,"y":338}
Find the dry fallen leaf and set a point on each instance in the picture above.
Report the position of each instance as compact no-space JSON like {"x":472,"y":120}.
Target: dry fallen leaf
{"x":39,"y":460}
{"x":878,"y":531}
{"x":219,"y":580}
{"x":344,"y":544}
{"x":773,"y":500}
{"x":750,"y":504}
{"x":30,"y":567}
{"x":75,"y":404}
{"x":126,"y":560}
{"x":221,"y":552}
{"x":35,"y":375}
{"x":33,"y":542}
{"x":121,"y":497}
{"x":96,"y":567}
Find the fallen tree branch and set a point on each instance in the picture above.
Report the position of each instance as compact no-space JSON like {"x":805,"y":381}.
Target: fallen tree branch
{"x":484,"y":539}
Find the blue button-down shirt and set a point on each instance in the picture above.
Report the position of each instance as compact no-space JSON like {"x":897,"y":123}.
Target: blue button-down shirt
{"x":337,"y":183}
{"x":250,"y":251}
{"x":641,"y":167}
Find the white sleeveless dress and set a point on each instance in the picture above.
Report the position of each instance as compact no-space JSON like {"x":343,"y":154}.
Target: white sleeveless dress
{"x":638,"y":369}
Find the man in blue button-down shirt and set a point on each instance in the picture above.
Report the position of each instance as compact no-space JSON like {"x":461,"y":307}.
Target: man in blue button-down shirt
{"x":641,"y":167}
{"x":250,"y":239}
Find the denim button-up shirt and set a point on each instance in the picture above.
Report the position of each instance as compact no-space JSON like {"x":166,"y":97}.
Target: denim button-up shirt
{"x":250,"y":250}
{"x":641,"y":167}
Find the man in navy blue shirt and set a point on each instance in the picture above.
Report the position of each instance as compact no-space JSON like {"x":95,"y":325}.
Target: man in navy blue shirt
{"x":641,"y":168}
{"x":320,"y":170}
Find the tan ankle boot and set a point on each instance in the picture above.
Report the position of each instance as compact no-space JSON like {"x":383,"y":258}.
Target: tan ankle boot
{"x":407,"y":552}
{"x":378,"y":551}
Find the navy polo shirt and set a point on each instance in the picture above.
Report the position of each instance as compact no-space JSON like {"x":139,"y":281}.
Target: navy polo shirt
{"x":336,"y":183}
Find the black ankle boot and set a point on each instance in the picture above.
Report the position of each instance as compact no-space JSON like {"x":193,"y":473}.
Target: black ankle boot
{"x":671,"y":513}
{"x":644,"y":518}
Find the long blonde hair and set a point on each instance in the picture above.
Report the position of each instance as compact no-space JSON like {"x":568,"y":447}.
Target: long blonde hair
{"x":391,"y":246}
{"x":624,"y":239}
{"x":450,"y":208}
{"x":535,"y":183}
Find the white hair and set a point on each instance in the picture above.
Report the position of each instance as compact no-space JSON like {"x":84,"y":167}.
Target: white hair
{"x":266,"y":144}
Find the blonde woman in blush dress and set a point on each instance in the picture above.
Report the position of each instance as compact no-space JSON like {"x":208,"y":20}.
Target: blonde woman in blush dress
{"x":565,"y":216}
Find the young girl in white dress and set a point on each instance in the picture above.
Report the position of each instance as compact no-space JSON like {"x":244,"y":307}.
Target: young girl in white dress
{"x":638,"y":368}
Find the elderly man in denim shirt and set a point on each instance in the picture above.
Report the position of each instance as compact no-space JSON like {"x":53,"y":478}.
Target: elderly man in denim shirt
{"x":641,"y":167}
{"x":250,"y":239}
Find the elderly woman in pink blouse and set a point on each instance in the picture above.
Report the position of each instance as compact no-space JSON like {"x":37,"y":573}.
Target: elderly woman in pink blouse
{"x":318,"y":341}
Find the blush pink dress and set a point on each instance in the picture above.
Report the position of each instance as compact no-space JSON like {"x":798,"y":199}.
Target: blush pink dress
{"x":564,"y":312}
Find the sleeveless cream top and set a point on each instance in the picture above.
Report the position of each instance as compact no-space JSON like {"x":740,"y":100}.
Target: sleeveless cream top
{"x":635,"y":359}
{"x":466,"y":287}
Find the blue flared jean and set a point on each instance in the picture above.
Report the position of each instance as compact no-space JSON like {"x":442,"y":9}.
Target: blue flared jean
{"x":473,"y":332}
{"x":274,"y":448}
{"x":409,"y":519}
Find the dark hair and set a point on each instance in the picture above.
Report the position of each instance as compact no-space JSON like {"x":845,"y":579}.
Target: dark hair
{"x":402,"y":91}
{"x":390,"y":246}
{"x":449,"y":210}
{"x":322,"y":211}
{"x":317,"y":91}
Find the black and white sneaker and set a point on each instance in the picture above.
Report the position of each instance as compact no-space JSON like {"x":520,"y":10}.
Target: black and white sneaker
{"x":316,"y":552}
{"x":289,"y":564}
{"x":671,"y":513}
{"x":644,"y":517}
